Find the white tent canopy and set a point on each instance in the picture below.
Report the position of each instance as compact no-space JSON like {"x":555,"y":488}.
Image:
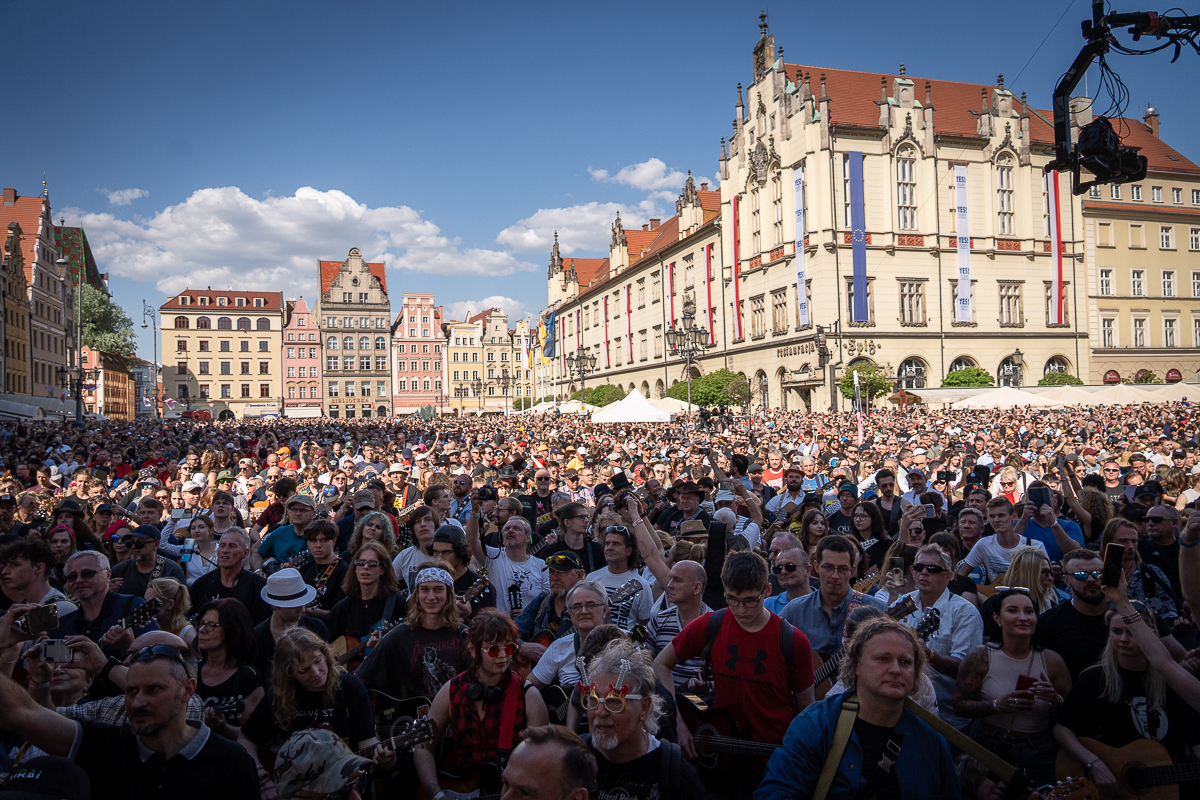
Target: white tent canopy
{"x":1069,"y":396}
{"x":1121,"y":394}
{"x":1175,"y":392}
{"x":577,"y":407}
{"x":673,"y":406}
{"x":632,"y":408}
{"x":1005,"y":397}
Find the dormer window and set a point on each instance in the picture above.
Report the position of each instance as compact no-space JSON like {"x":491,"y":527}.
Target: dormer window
{"x":258,"y":302}
{"x":241,"y":301}
{"x":185,"y":300}
{"x":222,"y":301}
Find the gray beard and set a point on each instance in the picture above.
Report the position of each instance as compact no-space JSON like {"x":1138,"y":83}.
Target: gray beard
{"x":605,"y":743}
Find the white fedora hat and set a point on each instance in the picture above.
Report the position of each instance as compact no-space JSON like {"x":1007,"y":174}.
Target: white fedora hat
{"x":286,"y":589}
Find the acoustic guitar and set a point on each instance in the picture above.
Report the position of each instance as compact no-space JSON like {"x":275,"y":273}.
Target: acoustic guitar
{"x":1143,"y":768}
{"x":825,"y":671}
{"x":720,"y":741}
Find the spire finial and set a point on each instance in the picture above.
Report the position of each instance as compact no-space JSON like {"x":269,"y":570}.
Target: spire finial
{"x":762,"y":22}
{"x":1000,"y":80}
{"x":901,"y":68}
{"x":45,"y":191}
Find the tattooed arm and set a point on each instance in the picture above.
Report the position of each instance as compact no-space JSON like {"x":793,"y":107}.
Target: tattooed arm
{"x":971,"y":672}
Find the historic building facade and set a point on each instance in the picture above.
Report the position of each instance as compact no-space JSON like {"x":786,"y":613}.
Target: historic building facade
{"x":355,"y":321}
{"x":301,"y":361}
{"x":16,"y":313}
{"x":464,"y":362}
{"x":417,"y":344}
{"x":221,"y":351}
{"x":111,"y":389}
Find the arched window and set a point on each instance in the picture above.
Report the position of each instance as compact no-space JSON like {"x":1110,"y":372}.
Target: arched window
{"x":906,"y":188}
{"x":1005,"y":222}
{"x":348,"y":343}
{"x":224,"y":324}
{"x":263,"y":324}
{"x":962,"y":362}
{"x":364,"y":343}
{"x":380,"y":343}
{"x":243,"y":323}
{"x":203,"y":323}
{"x":1009,"y":374}
{"x":1056,"y":364}
{"x":911,"y":374}
{"x":181,"y":323}
{"x":331,"y":343}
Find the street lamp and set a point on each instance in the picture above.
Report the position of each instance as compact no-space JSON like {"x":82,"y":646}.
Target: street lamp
{"x":1013,"y":369}
{"x":149,"y":312}
{"x":687,"y":342}
{"x":581,"y":364}
{"x":505,"y":382}
{"x":764,"y":396}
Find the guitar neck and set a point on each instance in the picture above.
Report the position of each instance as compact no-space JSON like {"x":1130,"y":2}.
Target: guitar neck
{"x":360,"y":648}
{"x":1163,"y":776}
{"x":829,"y":668}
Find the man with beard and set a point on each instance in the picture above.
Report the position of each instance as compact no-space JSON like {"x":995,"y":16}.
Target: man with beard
{"x":687,"y":508}
{"x":623,"y":709}
{"x":888,"y":502}
{"x":1077,"y":630}
{"x":547,"y":612}
{"x":460,"y":506}
{"x":793,"y":493}
{"x":230,"y":579}
{"x":158,"y":754}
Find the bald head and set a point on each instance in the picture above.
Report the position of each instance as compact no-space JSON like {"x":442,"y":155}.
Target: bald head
{"x":690,"y":571}
{"x":151,"y":638}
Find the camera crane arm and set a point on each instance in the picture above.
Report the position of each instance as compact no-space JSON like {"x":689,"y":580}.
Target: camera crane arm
{"x":1100,"y":152}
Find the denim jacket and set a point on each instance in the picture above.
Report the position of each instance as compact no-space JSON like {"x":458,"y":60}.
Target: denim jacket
{"x":795,"y":768}
{"x":536,"y":618}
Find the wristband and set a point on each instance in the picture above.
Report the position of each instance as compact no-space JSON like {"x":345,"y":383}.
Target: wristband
{"x":1130,"y":619}
{"x":1182,"y":543}
{"x":112,"y":662}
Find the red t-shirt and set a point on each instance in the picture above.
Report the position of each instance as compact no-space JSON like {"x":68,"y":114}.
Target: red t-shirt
{"x":773,"y":477}
{"x":749,"y":673}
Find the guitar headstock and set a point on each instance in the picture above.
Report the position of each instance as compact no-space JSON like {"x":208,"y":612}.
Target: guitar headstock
{"x":639,"y":634}
{"x":1073,"y":789}
{"x":930,"y":624}
{"x":903,"y":608}
{"x":417,"y":732}
{"x":142,"y":614}
{"x":625,"y":592}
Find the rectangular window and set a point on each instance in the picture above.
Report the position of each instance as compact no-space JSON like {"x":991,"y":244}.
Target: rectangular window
{"x":180,"y":345}
{"x":1168,"y":283}
{"x":1156,"y":194}
{"x":381,"y":388}
{"x":333,"y":389}
{"x":351,"y":387}
{"x":642,"y":355}
{"x":1137,"y":282}
{"x":1166,"y":237}
{"x":1114,"y":191}
{"x":1107,"y":332}
{"x":655,"y":287}
{"x":331,"y":362}
{"x":348,"y":363}
{"x":291,"y":393}
{"x":641,"y":292}
{"x":777,"y":208}
{"x":244,"y":346}
{"x":1169,"y":327}
{"x":364,"y":363}
{"x":245,"y":368}
{"x":226,"y":367}
{"x":912,"y":302}
{"x":204,"y":391}
{"x":1193,"y":244}
{"x":366,"y":388}
{"x":1137,"y":192}
{"x":755,"y":223}
{"x":1106,"y":282}
{"x":1006,"y":225}
{"x":226,"y":391}
{"x":1010,"y":305}
{"x":264,"y":390}
{"x":779,"y":315}
{"x":870,"y":304}
{"x":204,"y":342}
{"x":1139,"y":332}
{"x":380,"y":362}
{"x":1049,"y":309}
{"x":1177,"y":195}
{"x":658,"y":341}
{"x":245,"y":390}
{"x":312,"y":352}
{"x":264,"y":368}
{"x":347,"y":322}
{"x":1104,"y":234}
{"x":1137,"y":236}
{"x":225,"y":346}
{"x":181,"y":391}
{"x":304,"y":370}
{"x":1195,"y":331}
{"x":203,"y":367}
{"x":264,"y":346}
{"x":1094,"y":192}
{"x":291,"y":352}
{"x":758,"y":322}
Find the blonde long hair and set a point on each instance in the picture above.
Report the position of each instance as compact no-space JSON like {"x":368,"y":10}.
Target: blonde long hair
{"x":1025,"y":572}
{"x":1152,"y":679}
{"x":288,"y":648}
{"x":173,"y":592}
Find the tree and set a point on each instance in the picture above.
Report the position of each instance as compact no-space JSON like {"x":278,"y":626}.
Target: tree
{"x":1145,"y":376}
{"x":872,"y":382}
{"x":722,"y":387}
{"x":1059,"y":379}
{"x":971,"y":377}
{"x":521,"y":403}
{"x":601,"y":395}
{"x":105,"y":324}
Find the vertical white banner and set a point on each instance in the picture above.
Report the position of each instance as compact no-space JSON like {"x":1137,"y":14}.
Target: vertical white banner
{"x":629,"y":319}
{"x":1056,"y":270}
{"x":712,"y":331}
{"x":963,"y":228}
{"x":801,"y":286}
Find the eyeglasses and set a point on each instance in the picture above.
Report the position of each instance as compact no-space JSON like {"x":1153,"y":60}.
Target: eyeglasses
{"x":134,"y":544}
{"x":82,"y":575}
{"x":932,"y":569}
{"x":208,"y":626}
{"x":494,"y":650}
{"x":779,"y":569}
{"x":362,"y":563}
{"x":542,"y":480}
{"x":1082,"y":575}
{"x":738,"y":602}
{"x":588,"y":606}
{"x":614,"y":702}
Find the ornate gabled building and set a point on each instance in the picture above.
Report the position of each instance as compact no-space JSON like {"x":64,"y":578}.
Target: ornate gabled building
{"x":16,"y":313}
{"x":301,"y":361}
{"x":355,"y":324}
{"x":418,"y":341}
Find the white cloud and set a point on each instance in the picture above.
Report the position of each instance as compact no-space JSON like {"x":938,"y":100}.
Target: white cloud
{"x":465,"y":308}
{"x":123,"y":197}
{"x":586,"y":227}
{"x":223,"y":237}
{"x":649,"y":175}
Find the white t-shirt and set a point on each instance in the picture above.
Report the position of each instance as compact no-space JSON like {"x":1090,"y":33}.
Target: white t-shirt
{"x":516,"y":583}
{"x":630,"y":612}
{"x":994,"y":559}
{"x":557,"y":664}
{"x":405,"y":564}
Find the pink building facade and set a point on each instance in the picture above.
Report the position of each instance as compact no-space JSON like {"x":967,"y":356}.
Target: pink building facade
{"x":301,"y":362}
{"x":418,"y":346}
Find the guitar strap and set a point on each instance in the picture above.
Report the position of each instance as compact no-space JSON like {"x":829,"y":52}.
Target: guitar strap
{"x":389,"y":608}
{"x":508,"y":720}
{"x":841,"y":736}
{"x":319,"y":584}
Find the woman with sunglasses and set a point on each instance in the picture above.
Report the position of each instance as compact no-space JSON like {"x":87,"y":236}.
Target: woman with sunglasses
{"x":474,"y":705}
{"x":372,"y":597}
{"x":1007,"y":485}
{"x":1011,"y":688}
{"x":225,"y":681}
{"x":573,"y":526}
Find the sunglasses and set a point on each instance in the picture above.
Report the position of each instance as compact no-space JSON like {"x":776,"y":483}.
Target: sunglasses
{"x":494,"y":650}
{"x":779,"y":569}
{"x":1160,"y":519}
{"x":363,"y":563}
{"x":156,"y":651}
{"x":134,"y":544}
{"x":1082,"y":575}
{"x":932,"y":569}
{"x":82,"y":575}
{"x":614,"y":702}
{"x":561,"y":561}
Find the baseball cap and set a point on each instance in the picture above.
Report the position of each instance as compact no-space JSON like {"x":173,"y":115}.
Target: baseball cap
{"x":192,"y":486}
{"x":916,"y":471}
{"x":1179,"y":454}
{"x":848,"y":487}
{"x":363,"y":498}
{"x":1090,"y":451}
{"x":563,"y":561}
{"x":450,"y":534}
{"x":47,"y":778}
{"x":146,"y":532}
{"x":246,"y":462}
{"x":7,"y":498}
{"x":304,"y":500}
{"x":316,"y":761}
{"x":224,"y":475}
{"x":1148,"y":490}
{"x":725,"y":496}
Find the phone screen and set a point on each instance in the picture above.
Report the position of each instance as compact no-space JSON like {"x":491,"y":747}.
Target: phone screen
{"x":1039,"y":496}
{"x":1114,"y":557}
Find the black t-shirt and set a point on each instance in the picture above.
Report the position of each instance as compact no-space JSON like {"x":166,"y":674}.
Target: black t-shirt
{"x":265,"y":652}
{"x":1165,"y":557}
{"x":591,"y":555}
{"x":221,"y":770}
{"x":415,"y":662}
{"x":248,"y":589}
{"x":885,"y":785}
{"x":639,"y":779}
{"x":331,"y":591}
{"x":670,"y":521}
{"x":536,"y":509}
{"x":229,"y":696}
{"x":349,"y":717}
{"x":1087,"y":712}
{"x":355,"y":617}
{"x":485,"y":599}
{"x":135,"y":581}
{"x":1078,"y":638}
{"x":841,"y":523}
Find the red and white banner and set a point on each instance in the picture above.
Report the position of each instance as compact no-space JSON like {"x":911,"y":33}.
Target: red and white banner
{"x":578,"y":328}
{"x":712,"y":333}
{"x":1056,"y":268}
{"x":737,"y":292}
{"x":629,"y":320}
{"x":671,"y":288}
{"x":606,"y":349}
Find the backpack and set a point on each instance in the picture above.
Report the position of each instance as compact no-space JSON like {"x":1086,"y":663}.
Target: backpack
{"x":787,"y":645}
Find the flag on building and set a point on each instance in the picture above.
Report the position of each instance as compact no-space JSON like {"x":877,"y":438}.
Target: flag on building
{"x":549,"y":350}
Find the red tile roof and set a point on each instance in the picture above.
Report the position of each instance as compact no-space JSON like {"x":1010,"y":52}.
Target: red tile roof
{"x":272,"y":301}
{"x":27,"y":212}
{"x":854,"y":97}
{"x":482,"y":315}
{"x":639,"y":242}
{"x":330,"y":269}
{"x":587,"y":270}
{"x":709,"y":201}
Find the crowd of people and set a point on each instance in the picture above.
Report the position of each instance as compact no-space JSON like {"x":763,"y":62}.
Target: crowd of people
{"x":779,"y":605}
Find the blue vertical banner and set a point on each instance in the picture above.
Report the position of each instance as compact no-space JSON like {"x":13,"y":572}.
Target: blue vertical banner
{"x":858,"y":238}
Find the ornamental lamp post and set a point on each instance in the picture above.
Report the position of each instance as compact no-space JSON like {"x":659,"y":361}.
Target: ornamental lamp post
{"x":687,"y":342}
{"x":580,"y":364}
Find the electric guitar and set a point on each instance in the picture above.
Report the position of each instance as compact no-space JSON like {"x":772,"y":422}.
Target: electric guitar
{"x":1143,"y":768}
{"x":142,"y":614}
{"x":825,"y":672}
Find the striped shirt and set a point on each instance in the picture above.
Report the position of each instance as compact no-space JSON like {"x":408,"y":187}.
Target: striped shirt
{"x":663,"y":627}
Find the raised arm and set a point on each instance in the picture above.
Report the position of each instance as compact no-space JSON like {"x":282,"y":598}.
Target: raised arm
{"x":649,"y":545}
{"x":472,"y":529}
{"x":1185,"y":684}
{"x":42,"y":727}
{"x":1189,"y":560}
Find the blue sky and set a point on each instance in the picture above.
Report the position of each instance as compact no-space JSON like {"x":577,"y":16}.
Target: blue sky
{"x":236,"y":143}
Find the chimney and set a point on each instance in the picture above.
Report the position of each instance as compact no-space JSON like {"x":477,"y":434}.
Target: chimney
{"x":704,"y":186}
{"x":645,"y":226}
{"x":10,"y":197}
{"x":654,"y":224}
{"x":1150,"y":118}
